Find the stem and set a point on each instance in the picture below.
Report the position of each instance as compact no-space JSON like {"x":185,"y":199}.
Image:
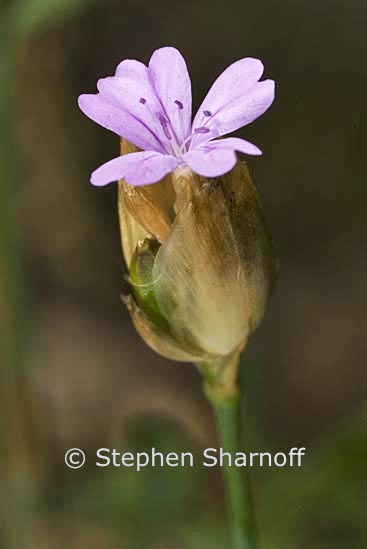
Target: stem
{"x":17,"y":474}
{"x":223,"y":393}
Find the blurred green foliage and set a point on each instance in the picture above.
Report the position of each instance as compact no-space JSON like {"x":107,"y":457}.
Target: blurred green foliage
{"x":26,"y":16}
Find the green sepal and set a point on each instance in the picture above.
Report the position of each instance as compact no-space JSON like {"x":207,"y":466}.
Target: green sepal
{"x":142,"y":282}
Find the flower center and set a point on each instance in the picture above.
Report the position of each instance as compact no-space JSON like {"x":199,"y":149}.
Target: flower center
{"x":166,"y":126}
{"x":169,"y":130}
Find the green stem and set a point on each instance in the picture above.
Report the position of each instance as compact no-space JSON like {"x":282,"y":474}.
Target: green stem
{"x":224,"y":395}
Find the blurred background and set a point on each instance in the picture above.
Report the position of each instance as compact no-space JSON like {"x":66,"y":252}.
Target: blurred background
{"x":74,"y":372}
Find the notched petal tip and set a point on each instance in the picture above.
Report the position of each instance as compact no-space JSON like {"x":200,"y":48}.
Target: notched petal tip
{"x":256,"y":62}
{"x":236,"y":98}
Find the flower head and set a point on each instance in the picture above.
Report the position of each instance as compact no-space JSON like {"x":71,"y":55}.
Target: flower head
{"x":150,"y":106}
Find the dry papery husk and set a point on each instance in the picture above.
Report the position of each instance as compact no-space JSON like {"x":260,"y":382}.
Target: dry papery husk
{"x":215,"y":268}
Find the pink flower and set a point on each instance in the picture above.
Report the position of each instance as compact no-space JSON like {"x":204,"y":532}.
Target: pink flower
{"x":151,"y":108}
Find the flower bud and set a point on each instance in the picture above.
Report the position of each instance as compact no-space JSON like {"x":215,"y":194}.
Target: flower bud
{"x":200,"y":260}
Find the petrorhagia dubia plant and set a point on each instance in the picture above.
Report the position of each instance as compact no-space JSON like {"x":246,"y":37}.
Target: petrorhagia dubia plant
{"x":201,"y":263}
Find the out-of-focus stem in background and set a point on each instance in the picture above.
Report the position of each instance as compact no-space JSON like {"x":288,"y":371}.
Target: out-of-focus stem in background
{"x":18,"y":439}
{"x":13,"y":306}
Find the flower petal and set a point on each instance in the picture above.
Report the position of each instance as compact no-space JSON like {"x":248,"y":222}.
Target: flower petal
{"x":131,"y":68}
{"x":172,"y":83}
{"x":132,"y":90}
{"x":236,"y":99}
{"x":106,"y":113}
{"x":236,"y":144}
{"x":234,"y":81}
{"x":210,"y":162}
{"x":140,"y":168}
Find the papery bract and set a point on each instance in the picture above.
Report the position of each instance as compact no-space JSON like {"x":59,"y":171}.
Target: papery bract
{"x":201,"y":262}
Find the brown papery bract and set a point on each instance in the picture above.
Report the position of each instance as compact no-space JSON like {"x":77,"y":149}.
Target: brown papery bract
{"x":215,"y":268}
